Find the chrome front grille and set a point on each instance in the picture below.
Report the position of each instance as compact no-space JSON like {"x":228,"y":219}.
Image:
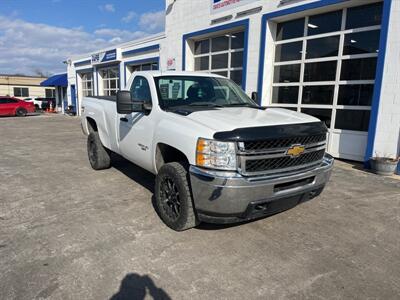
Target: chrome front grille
{"x":273,"y":155}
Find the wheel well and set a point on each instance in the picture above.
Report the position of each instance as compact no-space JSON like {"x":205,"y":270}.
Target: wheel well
{"x":91,"y":124}
{"x":166,"y":154}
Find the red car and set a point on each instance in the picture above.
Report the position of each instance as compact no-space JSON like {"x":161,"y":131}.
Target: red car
{"x":10,"y":106}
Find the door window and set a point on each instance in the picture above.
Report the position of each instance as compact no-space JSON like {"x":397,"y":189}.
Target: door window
{"x":8,"y":100}
{"x":140,"y":90}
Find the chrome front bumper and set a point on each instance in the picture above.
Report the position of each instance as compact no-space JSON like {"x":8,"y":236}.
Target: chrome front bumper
{"x":224,"y":197}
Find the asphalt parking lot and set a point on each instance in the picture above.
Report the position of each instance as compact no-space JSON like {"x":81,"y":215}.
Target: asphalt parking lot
{"x":68,"y":232}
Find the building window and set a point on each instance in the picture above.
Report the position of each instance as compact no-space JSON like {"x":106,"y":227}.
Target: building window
{"x":222,"y":55}
{"x":21,"y":92}
{"x":50,"y":93}
{"x":143,"y":67}
{"x":110,"y":78}
{"x":325,"y":65}
{"x":87,"y":84}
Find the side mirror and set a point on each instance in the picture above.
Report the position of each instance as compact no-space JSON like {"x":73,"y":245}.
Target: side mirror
{"x":254,"y":96}
{"x":141,"y":106}
{"x":124,"y":102}
{"x":147,"y":106}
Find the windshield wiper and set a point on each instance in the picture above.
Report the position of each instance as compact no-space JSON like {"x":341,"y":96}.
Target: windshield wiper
{"x":207,"y":104}
{"x":242,"y":104}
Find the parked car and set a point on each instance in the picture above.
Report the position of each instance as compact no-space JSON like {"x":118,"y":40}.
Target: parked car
{"x":35,"y":101}
{"x":41,"y":102}
{"x":217,"y":155}
{"x":10,"y":106}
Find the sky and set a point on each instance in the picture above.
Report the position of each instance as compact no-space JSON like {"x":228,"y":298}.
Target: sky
{"x":36,"y":36}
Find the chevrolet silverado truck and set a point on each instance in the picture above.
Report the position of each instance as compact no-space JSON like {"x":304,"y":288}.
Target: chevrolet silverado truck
{"x":217,"y":155}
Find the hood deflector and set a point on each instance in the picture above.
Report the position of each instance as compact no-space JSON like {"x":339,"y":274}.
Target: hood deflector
{"x":271,"y":132}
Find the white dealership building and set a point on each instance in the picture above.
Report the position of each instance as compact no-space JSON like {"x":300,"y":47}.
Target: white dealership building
{"x":335,"y":59}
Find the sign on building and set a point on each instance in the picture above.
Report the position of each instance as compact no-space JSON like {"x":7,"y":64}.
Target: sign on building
{"x":106,"y":56}
{"x":171,"y":64}
{"x":224,"y":5}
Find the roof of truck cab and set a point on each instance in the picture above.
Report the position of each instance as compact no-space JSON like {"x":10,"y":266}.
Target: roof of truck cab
{"x":177,"y":73}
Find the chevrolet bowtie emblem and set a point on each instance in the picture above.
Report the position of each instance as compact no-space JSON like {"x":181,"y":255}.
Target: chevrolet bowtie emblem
{"x":295,"y":150}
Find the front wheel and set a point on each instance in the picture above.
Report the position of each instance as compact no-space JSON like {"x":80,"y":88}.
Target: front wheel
{"x":173,"y":198}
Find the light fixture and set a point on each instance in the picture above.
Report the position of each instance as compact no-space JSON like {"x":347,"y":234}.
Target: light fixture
{"x":312,"y":26}
{"x":353,"y":41}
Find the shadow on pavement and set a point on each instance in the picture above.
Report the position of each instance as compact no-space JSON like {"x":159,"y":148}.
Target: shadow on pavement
{"x":135,"y":286}
{"x":35,"y":114}
{"x":134,"y":172}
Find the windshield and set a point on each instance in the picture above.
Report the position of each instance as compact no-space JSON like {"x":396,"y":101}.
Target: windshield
{"x":178,"y":91}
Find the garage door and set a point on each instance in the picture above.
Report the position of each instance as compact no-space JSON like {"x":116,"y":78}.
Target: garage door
{"x":324,"y":65}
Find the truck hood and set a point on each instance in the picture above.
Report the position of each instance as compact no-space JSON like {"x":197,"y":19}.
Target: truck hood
{"x":229,"y":118}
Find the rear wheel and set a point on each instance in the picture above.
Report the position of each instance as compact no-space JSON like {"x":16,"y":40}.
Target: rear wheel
{"x":21,"y":112}
{"x":99,"y":156}
{"x":173,"y":198}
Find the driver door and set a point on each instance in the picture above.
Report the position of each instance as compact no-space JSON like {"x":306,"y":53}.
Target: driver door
{"x":135,"y":130}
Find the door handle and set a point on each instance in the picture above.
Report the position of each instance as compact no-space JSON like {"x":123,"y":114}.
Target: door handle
{"x":123,"y":119}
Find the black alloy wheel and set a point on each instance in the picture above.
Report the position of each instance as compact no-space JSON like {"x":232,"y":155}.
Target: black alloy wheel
{"x":173,"y":199}
{"x":170,"y":199}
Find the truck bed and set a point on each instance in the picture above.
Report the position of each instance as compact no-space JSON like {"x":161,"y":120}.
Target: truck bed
{"x":108,"y":98}
{"x":103,"y":110}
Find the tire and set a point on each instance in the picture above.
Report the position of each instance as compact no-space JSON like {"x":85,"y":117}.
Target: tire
{"x":99,"y":156}
{"x":21,"y":112}
{"x":173,"y":198}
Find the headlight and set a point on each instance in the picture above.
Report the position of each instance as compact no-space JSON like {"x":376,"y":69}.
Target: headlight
{"x":215,"y":154}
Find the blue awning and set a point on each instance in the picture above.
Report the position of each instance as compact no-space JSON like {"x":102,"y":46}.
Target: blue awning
{"x":56,"y":80}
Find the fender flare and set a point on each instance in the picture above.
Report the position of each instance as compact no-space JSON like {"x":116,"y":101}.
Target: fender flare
{"x":100,"y":128}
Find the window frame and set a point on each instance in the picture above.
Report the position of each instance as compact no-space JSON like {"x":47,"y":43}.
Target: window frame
{"x":229,"y":51}
{"x":139,"y":67}
{"x":87,"y":92}
{"x":20,"y":88}
{"x":337,"y":82}
{"x":148,"y":86}
{"x":107,"y":91}
{"x":53,"y":93}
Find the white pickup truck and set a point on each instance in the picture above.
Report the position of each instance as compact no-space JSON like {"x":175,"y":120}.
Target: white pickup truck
{"x":217,"y":155}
